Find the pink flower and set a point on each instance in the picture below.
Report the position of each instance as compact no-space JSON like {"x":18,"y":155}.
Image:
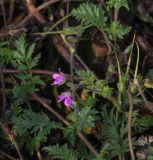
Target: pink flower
{"x":58,"y":78}
{"x":65,"y":96}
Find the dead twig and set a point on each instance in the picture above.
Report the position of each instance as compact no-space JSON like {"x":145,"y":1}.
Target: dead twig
{"x":33,"y":71}
{"x":3,"y":93}
{"x":3,"y":13}
{"x":82,"y":137}
{"x":32,"y":9}
{"x":41,"y":7}
{"x":108,"y":43}
{"x":130,"y":126}
{"x":11,"y":137}
{"x":11,"y":10}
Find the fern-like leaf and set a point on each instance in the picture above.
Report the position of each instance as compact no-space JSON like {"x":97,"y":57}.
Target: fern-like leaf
{"x":5,"y":53}
{"x":142,"y":124}
{"x":38,"y":123}
{"x":63,"y":152}
{"x":85,"y":77}
{"x":81,"y":119}
{"x":90,"y":14}
{"x":117,"y":30}
{"x":27,"y":85}
{"x":115,"y":132}
{"x":117,"y":4}
{"x":22,"y":57}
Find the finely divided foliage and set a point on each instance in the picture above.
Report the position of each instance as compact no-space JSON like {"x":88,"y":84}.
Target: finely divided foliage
{"x":103,"y":112}
{"x":33,"y":122}
{"x":90,"y":14}
{"x":94,"y":15}
{"x":22,"y":55}
{"x":62,"y":152}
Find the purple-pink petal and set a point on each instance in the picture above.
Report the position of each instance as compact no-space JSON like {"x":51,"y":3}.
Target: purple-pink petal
{"x":60,"y":98}
{"x":55,"y":75}
{"x":58,"y":78}
{"x":55,"y":83}
{"x":66,"y":97}
{"x":68,"y":101}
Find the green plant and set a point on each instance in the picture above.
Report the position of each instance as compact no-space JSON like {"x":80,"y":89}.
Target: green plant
{"x":93,"y":15}
{"x":102,"y":115}
{"x":62,"y":152}
{"x":22,"y":55}
{"x":90,"y":14}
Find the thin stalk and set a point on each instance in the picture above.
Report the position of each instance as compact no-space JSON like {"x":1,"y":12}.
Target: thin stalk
{"x":120,"y":79}
{"x":137,"y":62}
{"x":119,"y":157}
{"x":130,"y":126}
{"x":60,"y":21}
{"x":123,"y":157}
{"x":71,"y":72}
{"x":130,"y":58}
{"x":57,"y":32}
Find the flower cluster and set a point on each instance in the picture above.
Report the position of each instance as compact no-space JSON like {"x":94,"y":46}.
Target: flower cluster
{"x":59,"y":79}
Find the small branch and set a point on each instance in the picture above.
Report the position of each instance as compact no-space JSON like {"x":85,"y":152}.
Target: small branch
{"x":3,"y":12}
{"x":3,"y":93}
{"x":130,"y":126}
{"x":64,"y":51}
{"x":11,"y":138}
{"x":107,"y":42}
{"x":82,"y":137}
{"x":40,"y":100}
{"x":32,"y":9}
{"x":11,"y":10}
{"x":33,"y":71}
{"x":43,"y":6}
{"x":39,"y":155}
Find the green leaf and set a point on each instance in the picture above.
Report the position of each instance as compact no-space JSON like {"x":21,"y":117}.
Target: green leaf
{"x":33,"y":122}
{"x":82,"y":118}
{"x":114,"y":132}
{"x":85,"y":77}
{"x":22,"y":58}
{"x":27,"y":85}
{"x":75,"y":30}
{"x":106,"y":91}
{"x":61,"y":152}
{"x":117,"y":30}
{"x":142,"y":124}
{"x":110,"y":4}
{"x":5,"y":53}
{"x":90,"y":14}
{"x":30,"y":51}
